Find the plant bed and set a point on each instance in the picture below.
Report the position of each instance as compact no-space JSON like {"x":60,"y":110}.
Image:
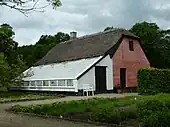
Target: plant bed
{"x":154,"y":111}
{"x":97,"y":110}
{"x":143,"y":111}
{"x":64,"y":118}
{"x":78,"y":115}
{"x":19,"y":96}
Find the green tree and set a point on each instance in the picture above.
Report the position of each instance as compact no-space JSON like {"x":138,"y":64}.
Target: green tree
{"x":11,"y":64}
{"x":4,"y":72}
{"x":155,"y":42}
{"x":32,"y":53}
{"x":27,"y":6}
{"x":11,"y":75}
{"x":7,"y":45}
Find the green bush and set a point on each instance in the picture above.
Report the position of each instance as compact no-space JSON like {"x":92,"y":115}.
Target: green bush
{"x":154,"y":111}
{"x":98,"y":109}
{"x":12,"y":96}
{"x":112,"y":115}
{"x":152,"y":81}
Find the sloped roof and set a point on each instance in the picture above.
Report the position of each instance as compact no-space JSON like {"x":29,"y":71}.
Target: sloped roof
{"x":63,"y":70}
{"x":84,"y":47}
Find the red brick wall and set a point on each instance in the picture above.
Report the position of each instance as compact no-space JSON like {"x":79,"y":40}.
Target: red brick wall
{"x":131,"y":60}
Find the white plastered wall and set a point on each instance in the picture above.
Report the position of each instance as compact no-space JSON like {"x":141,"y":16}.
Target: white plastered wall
{"x":89,"y":77}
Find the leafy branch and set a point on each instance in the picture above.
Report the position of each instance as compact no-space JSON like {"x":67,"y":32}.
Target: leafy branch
{"x":28,"y":6}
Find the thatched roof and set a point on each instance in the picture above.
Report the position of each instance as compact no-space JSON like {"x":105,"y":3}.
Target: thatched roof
{"x":83,"y":47}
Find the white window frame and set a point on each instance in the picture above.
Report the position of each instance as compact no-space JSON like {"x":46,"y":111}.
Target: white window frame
{"x":70,"y":84}
{"x":25,"y":82}
{"x":37,"y":83}
{"x":31,"y":84}
{"x":45,"y":81}
{"x":54,"y":84}
{"x":64,"y":84}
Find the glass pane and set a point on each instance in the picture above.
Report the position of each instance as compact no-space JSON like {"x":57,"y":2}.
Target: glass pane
{"x":53,"y":83}
{"x":32,"y":83}
{"x":26,"y":83}
{"x":45,"y":83}
{"x":61,"y":82}
{"x":69,"y":82}
{"x":39,"y":83}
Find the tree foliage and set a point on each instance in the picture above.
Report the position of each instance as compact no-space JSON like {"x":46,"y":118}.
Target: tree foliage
{"x":11,"y":64}
{"x":32,"y":53}
{"x":7,"y":45}
{"x":27,"y":6}
{"x":156,"y":43}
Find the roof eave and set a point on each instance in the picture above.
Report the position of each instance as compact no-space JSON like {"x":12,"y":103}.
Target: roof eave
{"x":90,"y":67}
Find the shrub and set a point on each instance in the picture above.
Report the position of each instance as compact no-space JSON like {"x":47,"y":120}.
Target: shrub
{"x":96,"y":109}
{"x":112,"y":115}
{"x":152,"y":81}
{"x":12,"y":96}
{"x":154,"y":111}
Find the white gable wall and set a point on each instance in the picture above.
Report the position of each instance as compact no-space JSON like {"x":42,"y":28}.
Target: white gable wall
{"x":89,"y":77}
{"x":107,"y":61}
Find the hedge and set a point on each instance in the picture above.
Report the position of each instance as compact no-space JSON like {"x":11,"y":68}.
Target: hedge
{"x":152,"y":81}
{"x":154,"y":111}
{"x":112,"y":115}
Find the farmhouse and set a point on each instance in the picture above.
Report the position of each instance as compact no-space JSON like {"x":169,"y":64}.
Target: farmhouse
{"x":104,"y":61}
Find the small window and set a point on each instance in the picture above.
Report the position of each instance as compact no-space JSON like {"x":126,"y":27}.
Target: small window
{"x":45,"y":83}
{"x":32,"y":83}
{"x":53,"y":83}
{"x":61,"y":82}
{"x":69,"y":82}
{"x":131,"y":47}
{"x":38,"y":83}
{"x":26,"y":83}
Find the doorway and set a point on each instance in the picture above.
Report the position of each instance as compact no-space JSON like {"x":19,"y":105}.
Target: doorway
{"x":122,"y":78}
{"x":100,"y":78}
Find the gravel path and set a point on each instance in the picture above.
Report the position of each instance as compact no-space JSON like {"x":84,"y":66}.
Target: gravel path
{"x":17,"y":120}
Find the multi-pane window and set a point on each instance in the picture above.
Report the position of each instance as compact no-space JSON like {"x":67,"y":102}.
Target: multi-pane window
{"x":38,"y":83}
{"x":61,"y":82}
{"x":69,"y":82}
{"x":53,"y":83}
{"x":131,"y":46}
{"x":32,"y":83}
{"x":26,"y":83}
{"x":45,"y":83}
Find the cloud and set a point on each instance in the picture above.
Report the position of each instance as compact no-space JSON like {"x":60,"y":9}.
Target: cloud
{"x":85,"y":17}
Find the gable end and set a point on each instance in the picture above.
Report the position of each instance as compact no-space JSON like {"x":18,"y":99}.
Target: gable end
{"x":109,"y":52}
{"x":90,"y":67}
{"x":114,"y":48}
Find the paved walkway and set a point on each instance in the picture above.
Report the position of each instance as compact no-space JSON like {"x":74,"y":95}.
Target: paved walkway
{"x":16,"y":120}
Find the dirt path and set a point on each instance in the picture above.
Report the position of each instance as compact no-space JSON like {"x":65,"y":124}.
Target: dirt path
{"x":16,"y":120}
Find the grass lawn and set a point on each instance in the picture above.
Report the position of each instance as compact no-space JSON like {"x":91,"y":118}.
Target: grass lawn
{"x":24,"y":96}
{"x":105,"y":110}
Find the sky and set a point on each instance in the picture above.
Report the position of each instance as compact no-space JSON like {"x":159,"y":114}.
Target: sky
{"x":85,"y":17}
